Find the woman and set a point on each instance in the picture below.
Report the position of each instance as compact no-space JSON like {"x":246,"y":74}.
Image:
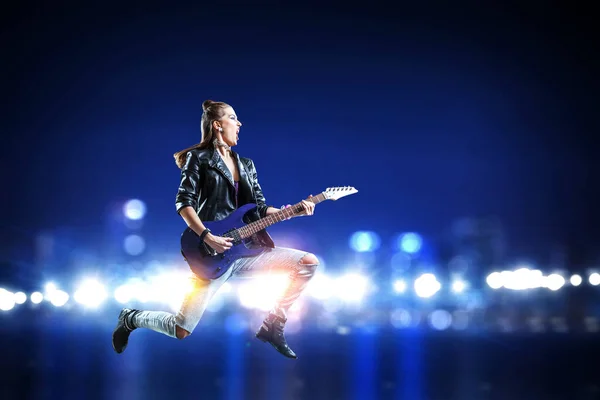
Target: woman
{"x":214,"y":182}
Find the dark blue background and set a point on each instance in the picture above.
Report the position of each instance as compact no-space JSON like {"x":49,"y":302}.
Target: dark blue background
{"x":434,"y":112}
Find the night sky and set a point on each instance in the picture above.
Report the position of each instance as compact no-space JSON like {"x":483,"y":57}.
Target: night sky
{"x":432,"y":112}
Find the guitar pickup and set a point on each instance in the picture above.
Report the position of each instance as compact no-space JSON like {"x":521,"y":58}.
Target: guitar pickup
{"x":235,"y":235}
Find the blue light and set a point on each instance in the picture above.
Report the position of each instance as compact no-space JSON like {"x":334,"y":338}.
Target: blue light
{"x":134,"y":209}
{"x":364,"y":241}
{"x":410,"y":243}
{"x":235,"y":324}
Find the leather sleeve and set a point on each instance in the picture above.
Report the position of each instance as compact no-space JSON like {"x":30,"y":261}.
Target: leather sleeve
{"x":190,"y":183}
{"x":258,"y":193}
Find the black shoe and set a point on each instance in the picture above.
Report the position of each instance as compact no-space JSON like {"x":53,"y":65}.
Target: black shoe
{"x":271,"y":331}
{"x":124,"y":327}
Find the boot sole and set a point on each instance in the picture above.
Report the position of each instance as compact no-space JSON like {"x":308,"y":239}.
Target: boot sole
{"x":275,"y":347}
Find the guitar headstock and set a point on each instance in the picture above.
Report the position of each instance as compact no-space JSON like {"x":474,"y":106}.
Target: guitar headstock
{"x":334,"y":193}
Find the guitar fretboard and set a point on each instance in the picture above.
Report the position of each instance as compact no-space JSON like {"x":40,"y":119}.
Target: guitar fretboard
{"x":272,"y":219}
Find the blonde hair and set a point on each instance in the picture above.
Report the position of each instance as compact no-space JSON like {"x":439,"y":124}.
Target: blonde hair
{"x":211,"y":111}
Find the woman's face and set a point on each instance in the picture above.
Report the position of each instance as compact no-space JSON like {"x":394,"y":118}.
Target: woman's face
{"x":231,"y":127}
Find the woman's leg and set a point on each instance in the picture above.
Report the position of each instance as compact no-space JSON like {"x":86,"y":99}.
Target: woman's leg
{"x":194,"y":305}
{"x":178,"y":325}
{"x":300,"y":267}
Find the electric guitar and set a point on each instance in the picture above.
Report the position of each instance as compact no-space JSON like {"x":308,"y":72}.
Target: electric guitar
{"x":205,"y":262}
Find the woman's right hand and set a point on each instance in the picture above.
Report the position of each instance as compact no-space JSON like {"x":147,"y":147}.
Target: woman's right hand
{"x":218,"y":243}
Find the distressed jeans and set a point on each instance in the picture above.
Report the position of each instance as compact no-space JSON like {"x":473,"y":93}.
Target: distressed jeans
{"x":278,"y":259}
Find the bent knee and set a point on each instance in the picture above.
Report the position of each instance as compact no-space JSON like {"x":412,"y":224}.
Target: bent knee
{"x":309,"y":264}
{"x":309,"y":259}
{"x":181,"y":333}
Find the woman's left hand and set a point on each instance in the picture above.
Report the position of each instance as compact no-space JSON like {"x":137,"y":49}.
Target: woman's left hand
{"x":309,"y":206}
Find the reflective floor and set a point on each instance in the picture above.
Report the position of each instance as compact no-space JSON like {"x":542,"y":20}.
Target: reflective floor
{"x":61,"y":357}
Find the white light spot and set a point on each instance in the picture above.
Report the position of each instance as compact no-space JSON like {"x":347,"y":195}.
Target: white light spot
{"x":134,"y":209}
{"x":576,"y":280}
{"x":263,"y":292}
{"x":554,"y":282}
{"x":321,"y":287}
{"x":124,"y":294}
{"x":7,"y":300}
{"x":20,"y":297}
{"x":90,"y":293}
{"x":399,"y":286}
{"x":494,"y":280}
{"x":427,"y":285}
{"x":459,"y":286}
{"x":36,"y":297}
{"x":58,"y":298}
{"x":50,"y":287}
{"x":351,"y":287}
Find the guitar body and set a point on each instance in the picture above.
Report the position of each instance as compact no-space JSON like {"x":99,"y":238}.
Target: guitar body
{"x":203,"y":260}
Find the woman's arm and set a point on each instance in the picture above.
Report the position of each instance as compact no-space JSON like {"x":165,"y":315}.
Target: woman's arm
{"x":190,"y":183}
{"x":192,"y":219}
{"x":186,"y":202}
{"x":219,"y":243}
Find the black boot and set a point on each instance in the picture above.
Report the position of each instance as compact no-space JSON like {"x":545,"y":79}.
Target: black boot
{"x":271,"y":331}
{"x":124,"y":327}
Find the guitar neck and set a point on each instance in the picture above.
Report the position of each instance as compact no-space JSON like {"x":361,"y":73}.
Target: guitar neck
{"x":272,"y":219}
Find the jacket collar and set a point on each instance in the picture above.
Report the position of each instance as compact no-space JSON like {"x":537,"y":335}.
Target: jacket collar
{"x":217,"y":162}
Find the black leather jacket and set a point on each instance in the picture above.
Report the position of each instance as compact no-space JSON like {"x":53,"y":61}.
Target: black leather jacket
{"x":207,"y":185}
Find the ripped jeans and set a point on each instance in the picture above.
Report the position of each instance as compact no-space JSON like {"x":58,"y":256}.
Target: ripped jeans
{"x":278,"y":259}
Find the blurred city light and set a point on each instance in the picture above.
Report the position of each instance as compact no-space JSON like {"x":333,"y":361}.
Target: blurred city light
{"x":134,"y":245}
{"x":410,"y":243}
{"x":339,"y":298}
{"x":90,"y":293}
{"x":364,"y":241}
{"x":7,"y":300}
{"x":399,"y":286}
{"x":134,"y":209}
{"x":440,"y":320}
{"x":494,"y":280}
{"x":459,"y":286}
{"x":351,"y":287}
{"x":427,"y":285}
{"x":20,"y":298}
{"x":37,"y":297}
{"x":554,"y":281}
